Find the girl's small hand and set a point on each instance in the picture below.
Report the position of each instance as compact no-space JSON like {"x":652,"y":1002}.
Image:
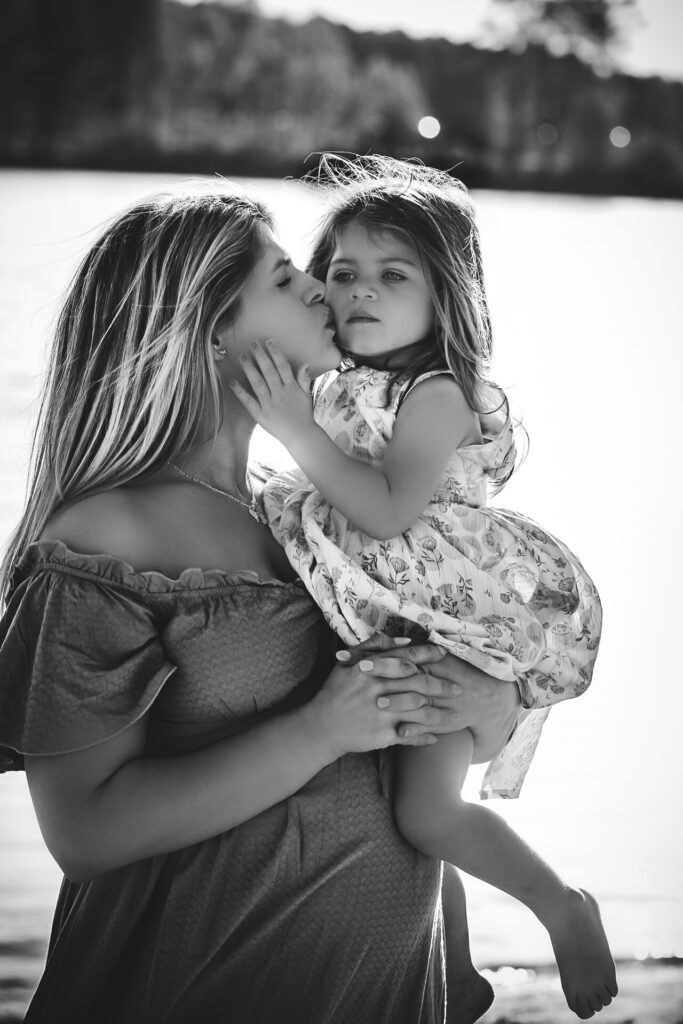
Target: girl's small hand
{"x":280,"y":403}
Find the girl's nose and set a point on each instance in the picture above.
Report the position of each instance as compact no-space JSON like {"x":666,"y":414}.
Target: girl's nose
{"x":362,"y":290}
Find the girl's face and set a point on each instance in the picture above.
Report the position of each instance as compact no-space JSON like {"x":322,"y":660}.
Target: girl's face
{"x":281,"y":302}
{"x":378,"y":292}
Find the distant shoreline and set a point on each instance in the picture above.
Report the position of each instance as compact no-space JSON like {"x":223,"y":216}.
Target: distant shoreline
{"x":209,"y":164}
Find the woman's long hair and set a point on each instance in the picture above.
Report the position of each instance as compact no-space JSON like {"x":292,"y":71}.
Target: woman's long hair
{"x":131,"y":379}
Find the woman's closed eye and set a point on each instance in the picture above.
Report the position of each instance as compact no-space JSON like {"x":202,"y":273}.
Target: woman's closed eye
{"x":283,"y":284}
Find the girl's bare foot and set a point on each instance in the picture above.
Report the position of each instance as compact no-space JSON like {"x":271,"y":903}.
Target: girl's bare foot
{"x":469,"y":997}
{"x":583,"y":955}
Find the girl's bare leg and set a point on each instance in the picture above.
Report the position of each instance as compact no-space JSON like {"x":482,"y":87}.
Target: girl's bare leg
{"x":432,"y":815}
{"x":468,"y":994}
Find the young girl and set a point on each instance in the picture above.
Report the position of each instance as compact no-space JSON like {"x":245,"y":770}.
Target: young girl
{"x":388,"y":530}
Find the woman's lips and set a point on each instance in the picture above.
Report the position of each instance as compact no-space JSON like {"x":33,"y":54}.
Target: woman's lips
{"x":362,"y":318}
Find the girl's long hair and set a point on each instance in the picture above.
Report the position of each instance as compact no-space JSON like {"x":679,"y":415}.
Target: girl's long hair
{"x":131,"y":379}
{"x":434,"y":213}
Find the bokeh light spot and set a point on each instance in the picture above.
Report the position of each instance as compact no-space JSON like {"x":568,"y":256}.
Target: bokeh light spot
{"x":428,"y":127}
{"x":620,"y":136}
{"x":547,"y":134}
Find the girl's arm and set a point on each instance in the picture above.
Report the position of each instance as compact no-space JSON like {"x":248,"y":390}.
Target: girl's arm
{"x":109,"y":805}
{"x":382,"y":502}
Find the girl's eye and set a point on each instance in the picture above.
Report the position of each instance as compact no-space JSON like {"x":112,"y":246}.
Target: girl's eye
{"x":284,"y":283}
{"x":343,"y":276}
{"x":393,"y":275}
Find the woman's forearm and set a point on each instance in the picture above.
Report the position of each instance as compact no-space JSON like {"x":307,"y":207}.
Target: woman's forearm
{"x":150,"y":806}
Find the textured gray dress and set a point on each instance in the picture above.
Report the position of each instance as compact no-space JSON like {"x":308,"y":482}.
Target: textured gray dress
{"x":314,"y":912}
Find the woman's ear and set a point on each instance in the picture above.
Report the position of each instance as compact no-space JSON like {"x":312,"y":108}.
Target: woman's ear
{"x":219,"y":343}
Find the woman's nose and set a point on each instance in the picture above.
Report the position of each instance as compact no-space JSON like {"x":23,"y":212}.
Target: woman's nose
{"x":315,"y":290}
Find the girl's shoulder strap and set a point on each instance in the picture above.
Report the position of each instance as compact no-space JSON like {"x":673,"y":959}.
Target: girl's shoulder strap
{"x":405,"y":384}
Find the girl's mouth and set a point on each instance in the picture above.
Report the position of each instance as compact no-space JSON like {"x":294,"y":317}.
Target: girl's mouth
{"x":362,"y":318}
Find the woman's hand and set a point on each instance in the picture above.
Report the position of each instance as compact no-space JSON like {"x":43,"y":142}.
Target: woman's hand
{"x":379,"y":701}
{"x":280,"y":403}
{"x":487,"y":706}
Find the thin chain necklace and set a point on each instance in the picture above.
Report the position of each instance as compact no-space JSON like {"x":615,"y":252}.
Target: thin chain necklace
{"x":251,"y":506}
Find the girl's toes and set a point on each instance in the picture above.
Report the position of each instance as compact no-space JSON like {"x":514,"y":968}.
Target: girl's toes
{"x":606,"y":997}
{"x":582,"y":1009}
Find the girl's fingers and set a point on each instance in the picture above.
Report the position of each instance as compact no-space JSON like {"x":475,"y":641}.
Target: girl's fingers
{"x":264,"y":360}
{"x":256,"y":379}
{"x":247,"y":400}
{"x":281,"y":364}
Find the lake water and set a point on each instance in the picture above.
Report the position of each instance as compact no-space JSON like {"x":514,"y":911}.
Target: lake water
{"x":586,"y":314}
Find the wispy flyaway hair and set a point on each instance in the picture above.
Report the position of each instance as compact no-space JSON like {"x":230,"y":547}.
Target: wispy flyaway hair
{"x":131,"y":376}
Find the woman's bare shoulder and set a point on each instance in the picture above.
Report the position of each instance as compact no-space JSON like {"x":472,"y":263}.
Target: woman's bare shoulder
{"x":111,"y":522}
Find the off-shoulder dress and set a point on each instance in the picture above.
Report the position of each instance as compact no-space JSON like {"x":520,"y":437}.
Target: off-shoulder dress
{"x":315,"y":911}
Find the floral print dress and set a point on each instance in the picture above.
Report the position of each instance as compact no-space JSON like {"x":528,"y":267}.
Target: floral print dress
{"x":488,"y":584}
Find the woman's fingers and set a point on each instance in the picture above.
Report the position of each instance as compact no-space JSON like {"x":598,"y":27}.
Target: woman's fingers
{"x":425,"y":740}
{"x":374,"y":645}
{"x":409,"y":703}
{"x":397,"y":663}
{"x":380,"y":642}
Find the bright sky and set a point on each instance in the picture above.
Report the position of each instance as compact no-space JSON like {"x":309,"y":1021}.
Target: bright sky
{"x":655,"y":46}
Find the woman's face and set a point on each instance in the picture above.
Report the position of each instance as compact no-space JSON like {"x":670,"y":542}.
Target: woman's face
{"x":280,"y":301}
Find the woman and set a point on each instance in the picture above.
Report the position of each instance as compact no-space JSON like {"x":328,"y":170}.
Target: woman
{"x":200,"y":771}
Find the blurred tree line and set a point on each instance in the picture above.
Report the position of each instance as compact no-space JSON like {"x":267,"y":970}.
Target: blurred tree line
{"x":156,"y":84}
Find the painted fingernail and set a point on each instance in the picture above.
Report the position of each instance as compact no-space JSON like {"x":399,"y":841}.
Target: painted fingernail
{"x":244,"y":357}
{"x":365,"y":666}
{"x":254,"y":344}
{"x":383,"y":702}
{"x":234,"y":383}
{"x":401,"y":641}
{"x":270,"y":341}
{"x":343,"y":656}
{"x":406,"y":732}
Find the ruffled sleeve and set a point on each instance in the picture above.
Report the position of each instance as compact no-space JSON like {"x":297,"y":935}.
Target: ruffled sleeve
{"x":80,"y":660}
